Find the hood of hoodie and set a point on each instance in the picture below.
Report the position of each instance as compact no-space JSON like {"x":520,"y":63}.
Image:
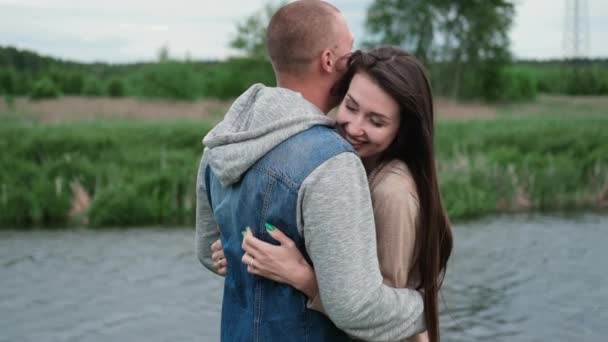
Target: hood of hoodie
{"x":257,"y":121}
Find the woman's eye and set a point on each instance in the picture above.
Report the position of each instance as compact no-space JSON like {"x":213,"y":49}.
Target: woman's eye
{"x":376,"y":123}
{"x":352,"y":109}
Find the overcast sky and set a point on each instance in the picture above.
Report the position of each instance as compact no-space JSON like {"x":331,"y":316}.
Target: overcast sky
{"x":134,"y":30}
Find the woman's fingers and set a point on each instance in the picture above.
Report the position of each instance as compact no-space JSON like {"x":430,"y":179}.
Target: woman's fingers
{"x":219,"y":260}
{"x":252,"y":270}
{"x":220,"y":263}
{"x":278,"y":235}
{"x":251,"y":244}
{"x":218,"y":251}
{"x":248,"y":260}
{"x":283,"y":263}
{"x":256,"y":267}
{"x":217,"y":245}
{"x":215,"y":256}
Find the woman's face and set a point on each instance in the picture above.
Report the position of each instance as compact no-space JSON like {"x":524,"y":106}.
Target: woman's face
{"x":368,"y":117}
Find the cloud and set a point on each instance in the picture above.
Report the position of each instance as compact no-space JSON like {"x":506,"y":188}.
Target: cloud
{"x":134,"y":30}
{"x":139,"y":27}
{"x":539,"y":28}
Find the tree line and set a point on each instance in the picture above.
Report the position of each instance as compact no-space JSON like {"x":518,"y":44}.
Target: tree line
{"x":464,"y":44}
{"x":25,"y":73}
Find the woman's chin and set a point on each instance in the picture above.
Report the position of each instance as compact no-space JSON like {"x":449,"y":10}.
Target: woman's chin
{"x":361,"y":153}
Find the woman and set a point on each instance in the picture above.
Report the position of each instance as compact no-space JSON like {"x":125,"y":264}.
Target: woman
{"x":387,"y":115}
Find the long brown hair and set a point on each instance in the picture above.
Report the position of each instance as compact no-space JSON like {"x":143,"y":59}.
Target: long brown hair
{"x":403,"y":77}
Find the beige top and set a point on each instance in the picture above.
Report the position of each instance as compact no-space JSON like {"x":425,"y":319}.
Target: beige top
{"x":396,"y":209}
{"x":395,"y":203}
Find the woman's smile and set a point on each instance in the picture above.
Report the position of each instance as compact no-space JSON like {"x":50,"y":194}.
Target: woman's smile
{"x":356,"y":143}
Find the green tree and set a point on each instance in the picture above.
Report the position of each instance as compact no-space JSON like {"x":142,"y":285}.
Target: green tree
{"x":92,"y":87}
{"x":23,"y":83}
{"x":45,"y":88}
{"x":116,"y":88}
{"x":465,"y":42}
{"x":8,"y":80}
{"x":250,"y":38}
{"x":73,"y":82}
{"x":172,"y":80}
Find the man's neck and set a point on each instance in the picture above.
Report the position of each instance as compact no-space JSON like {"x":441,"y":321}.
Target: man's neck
{"x":314,"y":93}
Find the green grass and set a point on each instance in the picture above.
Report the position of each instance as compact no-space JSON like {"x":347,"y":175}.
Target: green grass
{"x":563,"y":107}
{"x":136,"y":172}
{"x":522,"y":163}
{"x":143,"y":172}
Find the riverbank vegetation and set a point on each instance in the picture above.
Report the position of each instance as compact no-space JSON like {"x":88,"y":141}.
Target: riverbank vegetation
{"x":130,"y":173}
{"x":99,"y":173}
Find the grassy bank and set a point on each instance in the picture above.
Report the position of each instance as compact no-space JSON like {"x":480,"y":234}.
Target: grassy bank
{"x":521,"y":164}
{"x":117,"y":173}
{"x":125,"y":173}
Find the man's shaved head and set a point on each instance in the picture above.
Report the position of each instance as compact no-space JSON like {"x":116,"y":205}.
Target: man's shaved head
{"x":299,"y":32}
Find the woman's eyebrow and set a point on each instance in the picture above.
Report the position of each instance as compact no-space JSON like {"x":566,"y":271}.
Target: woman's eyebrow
{"x":380,"y":115}
{"x":350,"y":97}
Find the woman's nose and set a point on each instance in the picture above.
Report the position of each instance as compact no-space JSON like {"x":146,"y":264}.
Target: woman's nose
{"x":354,"y":128}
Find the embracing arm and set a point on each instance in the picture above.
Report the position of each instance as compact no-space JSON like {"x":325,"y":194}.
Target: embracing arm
{"x":338,"y":226}
{"x":396,"y":213}
{"x":207,"y":231}
{"x":282,"y":263}
{"x":395,"y":233}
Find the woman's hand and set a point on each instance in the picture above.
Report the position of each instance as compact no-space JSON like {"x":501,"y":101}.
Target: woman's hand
{"x":217,"y":255}
{"x":283,"y":263}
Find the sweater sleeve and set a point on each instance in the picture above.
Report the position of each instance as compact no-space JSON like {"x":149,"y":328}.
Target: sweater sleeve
{"x":207,"y":230}
{"x":336,"y":219}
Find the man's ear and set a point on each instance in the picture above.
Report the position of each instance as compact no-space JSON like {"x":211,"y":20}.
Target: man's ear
{"x":328,"y":63}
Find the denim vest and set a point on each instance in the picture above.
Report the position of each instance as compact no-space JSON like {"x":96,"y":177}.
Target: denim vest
{"x":255,"y":308}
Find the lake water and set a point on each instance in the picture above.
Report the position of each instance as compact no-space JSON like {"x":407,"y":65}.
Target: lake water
{"x":511,"y":278}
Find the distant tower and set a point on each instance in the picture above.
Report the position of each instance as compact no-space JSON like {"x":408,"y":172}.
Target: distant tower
{"x":576,"y":29}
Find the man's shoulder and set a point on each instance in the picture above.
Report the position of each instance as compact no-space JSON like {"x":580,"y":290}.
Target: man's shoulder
{"x":304,"y":152}
{"x":320,"y":135}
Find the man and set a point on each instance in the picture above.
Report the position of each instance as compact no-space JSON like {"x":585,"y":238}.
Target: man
{"x":274,"y":158}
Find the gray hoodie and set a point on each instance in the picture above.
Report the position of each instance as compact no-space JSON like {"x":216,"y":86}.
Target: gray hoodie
{"x":334,"y":214}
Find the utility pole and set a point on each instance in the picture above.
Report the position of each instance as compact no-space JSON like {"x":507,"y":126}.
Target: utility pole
{"x":576,"y":29}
